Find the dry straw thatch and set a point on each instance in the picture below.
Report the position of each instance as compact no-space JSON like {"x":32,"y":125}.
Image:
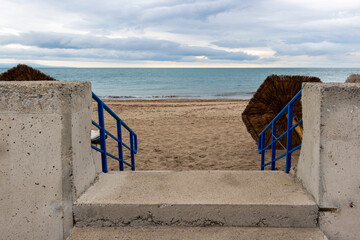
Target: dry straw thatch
{"x":23,"y":72}
{"x":353,"y":78}
{"x":270,"y":98}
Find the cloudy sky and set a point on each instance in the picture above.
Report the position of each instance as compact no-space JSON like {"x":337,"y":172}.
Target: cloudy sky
{"x":181,"y":33}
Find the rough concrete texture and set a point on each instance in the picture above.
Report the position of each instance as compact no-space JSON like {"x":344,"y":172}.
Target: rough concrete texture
{"x":199,"y":233}
{"x":96,"y":158}
{"x":44,"y":155}
{"x":196,"y":198}
{"x":329,"y":160}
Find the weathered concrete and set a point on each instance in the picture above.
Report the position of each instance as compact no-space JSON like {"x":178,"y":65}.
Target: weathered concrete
{"x":199,"y":233}
{"x":196,"y":198}
{"x":329,"y":160}
{"x":96,"y":160}
{"x":44,"y":156}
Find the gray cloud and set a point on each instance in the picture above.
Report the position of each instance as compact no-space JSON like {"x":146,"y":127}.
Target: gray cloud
{"x":78,"y":41}
{"x":242,"y":43}
{"x":310,"y":49}
{"x":87,"y":46}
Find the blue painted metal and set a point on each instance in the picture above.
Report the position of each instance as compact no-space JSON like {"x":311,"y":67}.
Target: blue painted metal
{"x":290,"y":127}
{"x":102,"y":136}
{"x":101,"y":126}
{"x":273,"y":146}
{"x":289,"y":138}
{"x":120,"y":146}
{"x":132,"y":153}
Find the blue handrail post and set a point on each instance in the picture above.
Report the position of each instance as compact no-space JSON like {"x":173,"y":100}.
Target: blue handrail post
{"x":102,"y":137}
{"x":120,"y":145}
{"x":289,"y":138}
{"x":262,"y":144}
{"x":132,"y":151}
{"x":273,"y":146}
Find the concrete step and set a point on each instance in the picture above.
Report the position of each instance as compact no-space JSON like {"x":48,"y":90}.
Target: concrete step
{"x":196,"y":198}
{"x":198,"y":233}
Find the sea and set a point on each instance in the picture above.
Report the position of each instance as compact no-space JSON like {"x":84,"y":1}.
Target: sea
{"x":184,"y":83}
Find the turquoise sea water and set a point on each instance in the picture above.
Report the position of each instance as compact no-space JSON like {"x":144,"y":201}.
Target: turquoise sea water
{"x":200,"y":83}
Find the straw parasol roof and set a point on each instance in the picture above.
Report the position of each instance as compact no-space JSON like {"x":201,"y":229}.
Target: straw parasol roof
{"x":23,"y":72}
{"x":353,"y":78}
{"x":270,"y":98}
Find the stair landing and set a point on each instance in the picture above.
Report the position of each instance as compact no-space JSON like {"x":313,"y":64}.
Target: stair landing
{"x":196,"y":198}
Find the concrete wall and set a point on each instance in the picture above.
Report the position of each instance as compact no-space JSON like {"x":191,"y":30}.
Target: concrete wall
{"x":45,"y":156}
{"x":329,"y":165}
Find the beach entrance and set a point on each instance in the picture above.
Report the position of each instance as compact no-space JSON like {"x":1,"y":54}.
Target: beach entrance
{"x":184,"y":134}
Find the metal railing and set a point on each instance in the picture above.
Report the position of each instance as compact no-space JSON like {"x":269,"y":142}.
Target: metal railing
{"x":290,"y":127}
{"x":119,"y":123}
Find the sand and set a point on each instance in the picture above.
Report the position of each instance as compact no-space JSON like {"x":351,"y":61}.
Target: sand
{"x":185,"y":135}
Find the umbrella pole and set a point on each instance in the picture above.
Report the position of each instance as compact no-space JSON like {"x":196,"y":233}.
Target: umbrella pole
{"x":298,"y":129}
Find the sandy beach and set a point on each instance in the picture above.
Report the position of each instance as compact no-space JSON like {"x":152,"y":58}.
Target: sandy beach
{"x":186,"y":135}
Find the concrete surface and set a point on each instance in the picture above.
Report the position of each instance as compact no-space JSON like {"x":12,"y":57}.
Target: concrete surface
{"x":329,"y":160}
{"x":196,"y":198}
{"x":44,"y":156}
{"x":96,"y":159}
{"x":198,"y":233}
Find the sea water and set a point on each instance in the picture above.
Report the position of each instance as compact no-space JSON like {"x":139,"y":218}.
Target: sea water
{"x":199,"y":83}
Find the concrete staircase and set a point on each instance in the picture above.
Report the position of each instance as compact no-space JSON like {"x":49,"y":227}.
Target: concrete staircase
{"x":196,"y":205}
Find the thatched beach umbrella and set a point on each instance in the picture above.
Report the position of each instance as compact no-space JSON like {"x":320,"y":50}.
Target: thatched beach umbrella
{"x":271,"y":97}
{"x":23,"y":72}
{"x":353,"y":78}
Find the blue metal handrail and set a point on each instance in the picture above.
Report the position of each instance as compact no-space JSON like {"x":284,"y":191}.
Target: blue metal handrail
{"x":290,"y":127}
{"x":101,"y":126}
